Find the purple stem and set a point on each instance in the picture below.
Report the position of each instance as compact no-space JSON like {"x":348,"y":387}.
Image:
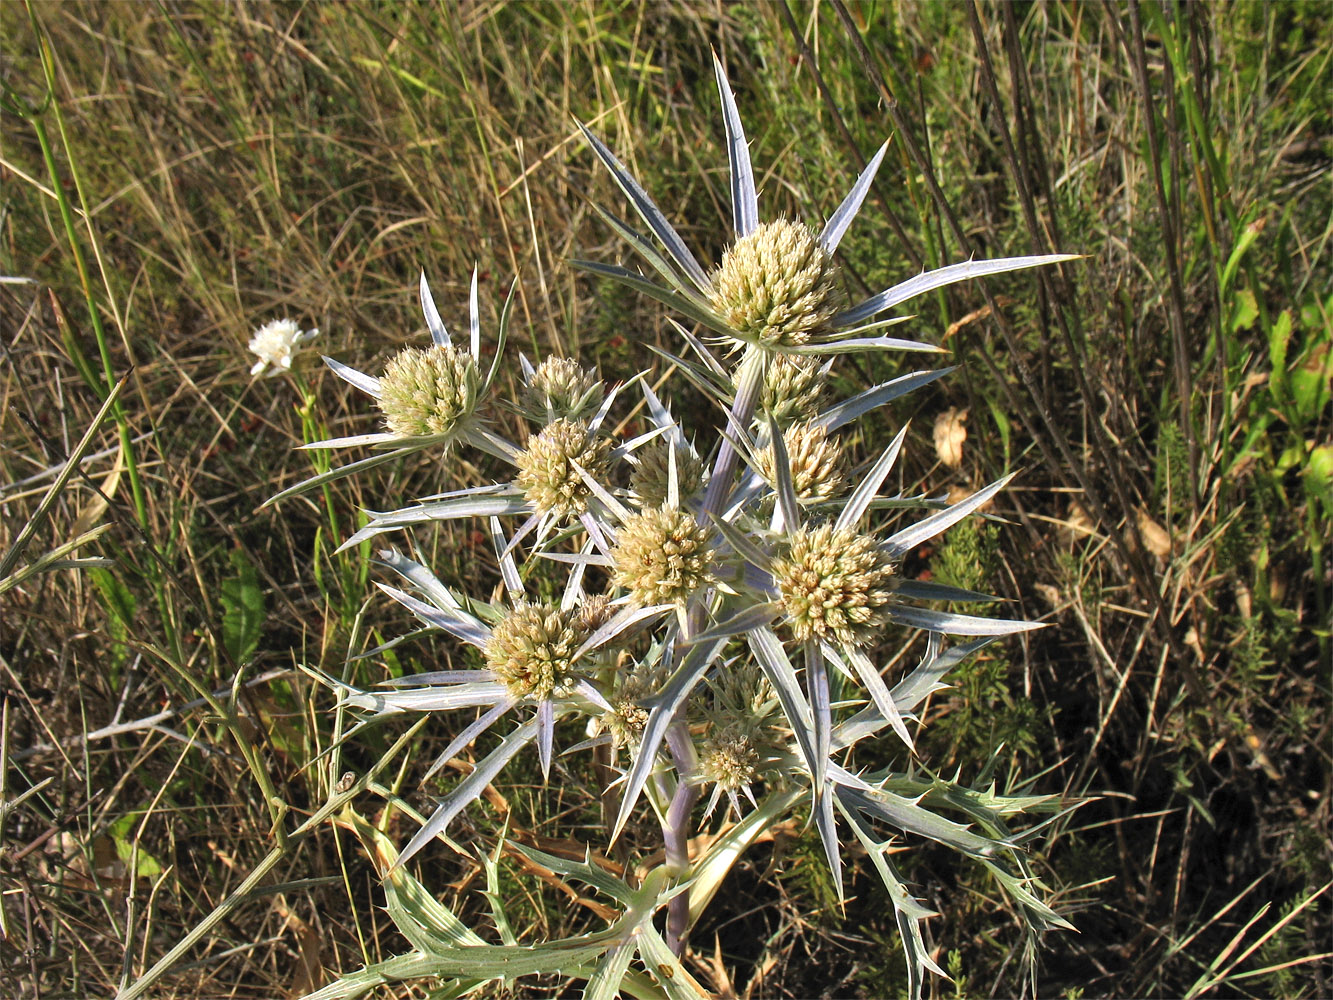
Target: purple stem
{"x":676,"y":829}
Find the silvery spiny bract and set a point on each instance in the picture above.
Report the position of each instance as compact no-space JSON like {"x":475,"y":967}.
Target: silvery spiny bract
{"x":724,"y":609}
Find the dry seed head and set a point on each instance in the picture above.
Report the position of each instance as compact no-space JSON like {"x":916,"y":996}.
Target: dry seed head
{"x":560,"y":387}
{"x":626,"y":722}
{"x":818,"y":467}
{"x":652,"y":476}
{"x":777,"y":286}
{"x":594,"y":611}
{"x":531,"y":650}
{"x":730,"y":757}
{"x":546,"y":472}
{"x":662,"y":556}
{"x":834,"y":584}
{"x":792,"y":388}
{"x":429,"y":391}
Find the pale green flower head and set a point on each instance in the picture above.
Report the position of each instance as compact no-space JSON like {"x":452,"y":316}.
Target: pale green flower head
{"x":834,"y":585}
{"x":663,"y":556}
{"x":650,"y":481}
{"x":429,"y":391}
{"x":793,"y":388}
{"x":531,"y":651}
{"x":817,"y":460}
{"x":548,"y":469}
{"x":731,"y":757}
{"x":777,"y":286}
{"x":560,"y":387}
{"x":627,"y":717}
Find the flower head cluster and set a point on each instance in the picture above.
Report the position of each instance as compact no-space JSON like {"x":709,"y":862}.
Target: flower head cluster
{"x":531,"y":651}
{"x":725,"y":677}
{"x":548,"y":469}
{"x":429,"y":392}
{"x":560,"y":387}
{"x":663,"y":556}
{"x":818,"y":466}
{"x":833,"y":584}
{"x":275,"y":344}
{"x":777,"y":286}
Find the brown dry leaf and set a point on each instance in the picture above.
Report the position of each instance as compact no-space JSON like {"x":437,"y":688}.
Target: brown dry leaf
{"x":970,"y":318}
{"x":975,"y":316}
{"x":1049,"y":594}
{"x":957,"y":494}
{"x":92,"y":511}
{"x":716,"y":969}
{"x":950,"y":435}
{"x":1078,"y":524}
{"x":309,"y":973}
{"x":1155,"y":538}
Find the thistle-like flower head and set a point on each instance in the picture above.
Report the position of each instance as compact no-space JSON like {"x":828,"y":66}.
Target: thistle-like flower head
{"x":560,"y":387}
{"x":818,"y":465}
{"x":531,"y":650}
{"x":546,"y":468}
{"x":663,"y":556}
{"x":594,"y":610}
{"x":429,"y":392}
{"x":651,"y":479}
{"x":777,"y":286}
{"x":793,"y":387}
{"x":731,"y":756}
{"x":429,"y":397}
{"x":834,"y":584}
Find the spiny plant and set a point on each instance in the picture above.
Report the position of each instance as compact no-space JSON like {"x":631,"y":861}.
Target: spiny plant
{"x":722,"y":608}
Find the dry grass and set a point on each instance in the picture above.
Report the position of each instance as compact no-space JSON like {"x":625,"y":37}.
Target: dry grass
{"x":239,"y":163}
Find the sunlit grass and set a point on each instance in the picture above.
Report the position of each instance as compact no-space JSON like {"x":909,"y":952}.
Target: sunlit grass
{"x":240,"y":164}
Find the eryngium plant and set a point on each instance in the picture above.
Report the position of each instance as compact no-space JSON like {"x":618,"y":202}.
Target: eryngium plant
{"x":723,"y":610}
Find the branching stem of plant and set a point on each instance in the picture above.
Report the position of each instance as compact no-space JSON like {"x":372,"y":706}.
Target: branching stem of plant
{"x":676,"y":829}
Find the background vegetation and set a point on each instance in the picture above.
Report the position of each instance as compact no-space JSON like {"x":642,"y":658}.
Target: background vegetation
{"x":174,"y":175}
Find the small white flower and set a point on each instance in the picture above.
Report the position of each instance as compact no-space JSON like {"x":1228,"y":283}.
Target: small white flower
{"x":275,"y":343}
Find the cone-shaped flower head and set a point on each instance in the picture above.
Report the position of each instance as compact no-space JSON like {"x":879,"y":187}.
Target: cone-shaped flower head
{"x":662,"y":556}
{"x":731,"y":756}
{"x":560,"y":387}
{"x":818,"y":468}
{"x":792,"y":388}
{"x":531,"y":650}
{"x":546,"y":468}
{"x":428,"y":392}
{"x":778,"y":286}
{"x":834,"y":584}
{"x":651,"y":478}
